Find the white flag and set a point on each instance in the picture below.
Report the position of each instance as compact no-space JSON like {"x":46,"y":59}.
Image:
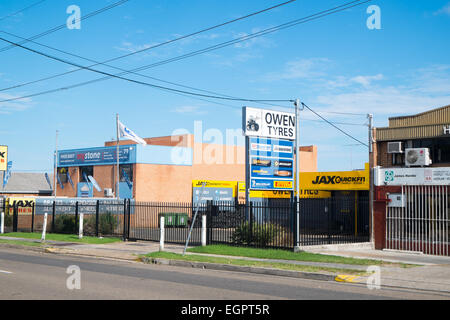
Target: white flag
{"x":127,"y":133}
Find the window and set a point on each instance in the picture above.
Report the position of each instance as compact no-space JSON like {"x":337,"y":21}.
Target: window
{"x":128,"y":169}
{"x":85,"y":172}
{"x":398,"y":159}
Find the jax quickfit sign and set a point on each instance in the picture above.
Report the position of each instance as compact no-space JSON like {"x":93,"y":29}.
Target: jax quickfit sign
{"x":3,"y":158}
{"x":268,"y":123}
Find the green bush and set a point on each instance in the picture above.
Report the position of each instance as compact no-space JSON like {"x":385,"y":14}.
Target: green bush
{"x":8,"y":220}
{"x":259,"y":234}
{"x":66,"y":224}
{"x":107,"y":223}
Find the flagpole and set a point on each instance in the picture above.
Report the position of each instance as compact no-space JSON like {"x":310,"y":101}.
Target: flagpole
{"x":55,"y":166}
{"x":117,"y":157}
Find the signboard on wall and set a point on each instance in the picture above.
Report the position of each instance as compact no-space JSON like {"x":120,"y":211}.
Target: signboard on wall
{"x":271,"y":164}
{"x":96,"y":156}
{"x":268,"y":123}
{"x":338,"y":180}
{"x":3,"y":158}
{"x":411,"y":176}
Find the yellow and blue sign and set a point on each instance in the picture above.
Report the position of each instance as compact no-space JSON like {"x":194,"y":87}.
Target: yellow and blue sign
{"x":271,"y":164}
{"x":3,"y":158}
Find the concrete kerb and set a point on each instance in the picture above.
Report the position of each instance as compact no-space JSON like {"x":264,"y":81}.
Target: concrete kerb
{"x":228,"y":267}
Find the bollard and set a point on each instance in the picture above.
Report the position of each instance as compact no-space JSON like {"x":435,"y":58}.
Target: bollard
{"x":80,"y":229}
{"x":161,"y":240}
{"x":2,"y":223}
{"x":203,"y":230}
{"x":44,"y":227}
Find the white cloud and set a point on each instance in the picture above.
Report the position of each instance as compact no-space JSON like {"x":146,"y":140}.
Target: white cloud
{"x":189,"y":109}
{"x":301,"y":69}
{"x":445,"y":10}
{"x":11,"y":106}
{"x":366,"y":80}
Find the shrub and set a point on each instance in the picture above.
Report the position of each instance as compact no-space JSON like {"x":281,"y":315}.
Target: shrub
{"x":259,"y":234}
{"x":107,"y":223}
{"x":8,"y":220}
{"x":66,"y":224}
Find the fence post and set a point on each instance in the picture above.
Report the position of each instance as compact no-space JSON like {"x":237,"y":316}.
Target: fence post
{"x":203,"y":230}
{"x":250,"y":224}
{"x":53,"y":216}
{"x":15,"y":217}
{"x":76,"y":214}
{"x":44,"y":227}
{"x":2,"y":223}
{"x":161,"y":238}
{"x":125,"y":203}
{"x":96,"y":217}
{"x":295,"y":223}
{"x":129,"y":218}
{"x":80,"y":226}
{"x":32,"y":217}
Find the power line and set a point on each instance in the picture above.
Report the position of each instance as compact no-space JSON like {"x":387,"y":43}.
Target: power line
{"x":62,"y":26}
{"x":136,"y":81}
{"x":347,"y":134}
{"x":21,"y":10}
{"x":132,"y":53}
{"x":215,"y":47}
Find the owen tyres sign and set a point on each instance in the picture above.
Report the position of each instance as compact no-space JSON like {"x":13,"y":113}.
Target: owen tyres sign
{"x":268,"y":123}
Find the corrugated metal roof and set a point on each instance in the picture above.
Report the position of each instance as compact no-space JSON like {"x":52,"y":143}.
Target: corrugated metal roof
{"x":26,"y":182}
{"x":429,"y":124}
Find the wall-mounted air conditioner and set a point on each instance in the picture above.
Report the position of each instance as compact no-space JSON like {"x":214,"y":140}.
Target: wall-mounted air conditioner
{"x":417,"y":157}
{"x":395,"y":147}
{"x":108,"y":193}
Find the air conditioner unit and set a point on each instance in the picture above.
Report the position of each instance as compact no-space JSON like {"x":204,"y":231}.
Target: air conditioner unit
{"x":417,"y":157}
{"x":395,"y":147}
{"x":108,"y":193}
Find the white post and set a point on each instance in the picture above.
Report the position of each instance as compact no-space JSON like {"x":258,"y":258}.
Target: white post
{"x":80,"y":229}
{"x":2,"y":223}
{"x":161,"y":240}
{"x":297,"y":173}
{"x":44,"y":227}
{"x":203,"y":230}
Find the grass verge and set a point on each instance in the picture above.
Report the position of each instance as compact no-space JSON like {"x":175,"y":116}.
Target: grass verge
{"x":287,"y":255}
{"x":61,"y":237}
{"x":250,"y":263}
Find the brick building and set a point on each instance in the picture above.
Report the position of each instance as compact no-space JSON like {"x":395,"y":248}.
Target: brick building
{"x":430,"y":129}
{"x":161,"y":171}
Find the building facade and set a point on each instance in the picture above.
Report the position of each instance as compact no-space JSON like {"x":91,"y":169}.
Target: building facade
{"x":162,"y":171}
{"x":430,"y":129}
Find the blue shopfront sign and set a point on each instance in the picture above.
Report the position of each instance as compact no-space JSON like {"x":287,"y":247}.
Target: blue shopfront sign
{"x":96,"y":156}
{"x":271,"y":164}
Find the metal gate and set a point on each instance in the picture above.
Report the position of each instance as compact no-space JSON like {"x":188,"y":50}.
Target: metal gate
{"x":421,"y":222}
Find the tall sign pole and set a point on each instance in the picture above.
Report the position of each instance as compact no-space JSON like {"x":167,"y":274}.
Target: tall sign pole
{"x":297,"y":172}
{"x":117,"y":157}
{"x":371,"y":165}
{"x":55,"y":166}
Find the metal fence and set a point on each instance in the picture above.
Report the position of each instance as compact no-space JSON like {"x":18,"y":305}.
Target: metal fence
{"x":270,"y":224}
{"x":422,"y":222}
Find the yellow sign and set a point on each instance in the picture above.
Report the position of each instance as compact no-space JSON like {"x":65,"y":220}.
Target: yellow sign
{"x":24,"y":205}
{"x":279,"y":194}
{"x":3,"y":158}
{"x":282,"y":184}
{"x":340,"y":180}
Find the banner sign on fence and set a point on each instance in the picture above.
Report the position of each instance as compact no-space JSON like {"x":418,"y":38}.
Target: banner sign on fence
{"x":271,"y":164}
{"x":213,"y":190}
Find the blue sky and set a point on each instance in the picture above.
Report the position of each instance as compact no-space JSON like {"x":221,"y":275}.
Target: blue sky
{"x":333,"y":64}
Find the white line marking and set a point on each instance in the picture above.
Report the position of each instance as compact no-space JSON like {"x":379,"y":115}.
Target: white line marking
{"x":4,"y":271}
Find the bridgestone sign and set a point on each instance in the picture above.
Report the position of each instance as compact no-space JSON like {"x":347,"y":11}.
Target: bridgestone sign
{"x":268,"y":123}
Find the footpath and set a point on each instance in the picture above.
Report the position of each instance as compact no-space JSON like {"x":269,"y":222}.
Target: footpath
{"x":430,"y":273}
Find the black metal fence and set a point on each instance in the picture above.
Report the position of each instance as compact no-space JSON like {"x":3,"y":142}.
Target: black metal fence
{"x":260,"y":224}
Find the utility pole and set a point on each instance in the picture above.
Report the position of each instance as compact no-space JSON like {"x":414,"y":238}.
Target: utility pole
{"x":117,"y":158}
{"x":55,"y":170}
{"x":370,"y":149}
{"x":297,"y":172}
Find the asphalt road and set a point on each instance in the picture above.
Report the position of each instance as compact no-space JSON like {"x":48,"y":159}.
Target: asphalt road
{"x":32,"y":275}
